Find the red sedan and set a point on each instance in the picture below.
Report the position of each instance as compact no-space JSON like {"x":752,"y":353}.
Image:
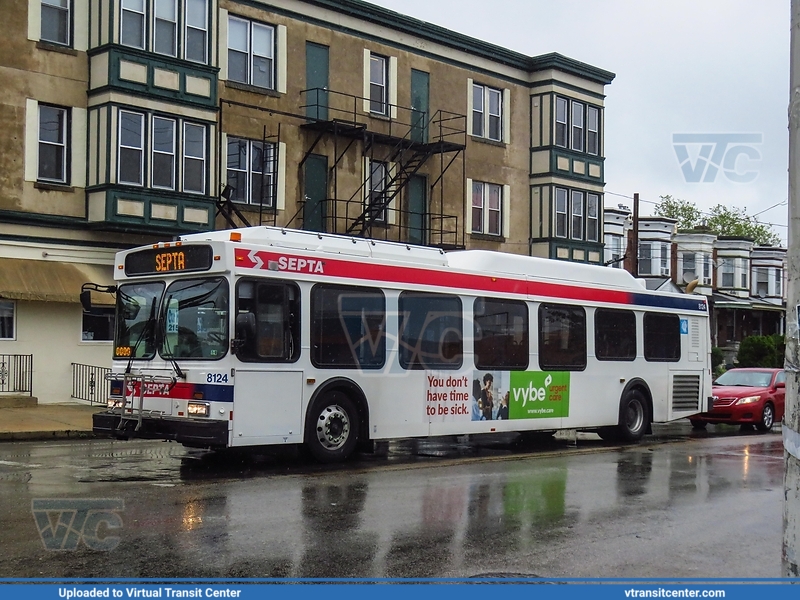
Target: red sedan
{"x":746,"y":397}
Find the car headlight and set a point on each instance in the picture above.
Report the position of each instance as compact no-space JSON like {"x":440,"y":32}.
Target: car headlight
{"x":748,"y":400}
{"x":198,"y":409}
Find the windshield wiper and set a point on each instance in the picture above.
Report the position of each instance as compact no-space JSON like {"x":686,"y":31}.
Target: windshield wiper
{"x":147,"y":325}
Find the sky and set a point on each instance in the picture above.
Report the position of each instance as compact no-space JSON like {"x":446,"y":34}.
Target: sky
{"x":699,"y":67}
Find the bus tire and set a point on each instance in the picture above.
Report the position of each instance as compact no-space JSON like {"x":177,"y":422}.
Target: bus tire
{"x":332,"y":427}
{"x":634,"y":417}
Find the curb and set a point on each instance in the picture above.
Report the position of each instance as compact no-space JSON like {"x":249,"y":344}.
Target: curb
{"x":29,"y":436}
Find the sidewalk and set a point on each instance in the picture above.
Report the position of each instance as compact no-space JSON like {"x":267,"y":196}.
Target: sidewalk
{"x":47,"y":422}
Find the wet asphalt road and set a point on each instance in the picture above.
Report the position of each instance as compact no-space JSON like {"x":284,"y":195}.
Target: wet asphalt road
{"x":681,"y":505}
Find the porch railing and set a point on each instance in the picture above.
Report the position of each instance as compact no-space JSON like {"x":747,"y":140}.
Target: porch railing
{"x":89,"y":383}
{"x":16,"y":373}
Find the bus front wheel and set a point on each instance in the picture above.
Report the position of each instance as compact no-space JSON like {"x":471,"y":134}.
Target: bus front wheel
{"x":332,"y":428}
{"x":634,"y":419}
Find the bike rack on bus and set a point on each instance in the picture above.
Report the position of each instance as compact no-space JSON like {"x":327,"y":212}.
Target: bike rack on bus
{"x":129,"y":382}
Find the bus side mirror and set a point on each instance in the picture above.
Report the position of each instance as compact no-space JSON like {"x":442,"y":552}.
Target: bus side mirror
{"x":245,"y":330}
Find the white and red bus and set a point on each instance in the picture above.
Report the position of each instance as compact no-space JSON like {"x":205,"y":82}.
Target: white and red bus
{"x":266,"y":336}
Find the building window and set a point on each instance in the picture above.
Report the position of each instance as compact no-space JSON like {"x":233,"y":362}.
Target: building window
{"x":561,"y":122}
{"x":131,"y":148}
{"x":707,"y":269}
{"x":727,"y":269}
{"x":645,"y":258}
{"x":592,"y":217}
{"x":378,"y":188}
{"x":689,"y":267}
{"x":132,"y":25}
{"x":487,"y":112}
{"x":250,"y":171}
{"x":577,"y":126}
{"x":55,"y":21}
{"x":7,"y":314}
{"x":613,"y":252}
{"x":196,"y":30}
{"x":251,"y":50}
{"x":378,"y":84}
{"x":593,"y":130}
{"x":561,"y":212}
{"x":762,"y":282}
{"x":577,"y":215}
{"x":98,"y":326}
{"x":778,"y":283}
{"x":53,"y":137}
{"x":487,"y":203}
{"x":194,"y":158}
{"x":165,"y":29}
{"x":665,"y":260}
{"x":163,"y":153}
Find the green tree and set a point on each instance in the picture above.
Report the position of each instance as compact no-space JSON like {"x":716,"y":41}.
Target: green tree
{"x":723,"y":220}
{"x":761,"y":351}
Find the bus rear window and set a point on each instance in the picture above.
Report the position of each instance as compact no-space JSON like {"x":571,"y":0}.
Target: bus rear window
{"x":431,"y":331}
{"x":348,"y":327}
{"x":614,"y":334}
{"x":501,"y":334}
{"x":562,"y":337}
{"x":662,"y":337}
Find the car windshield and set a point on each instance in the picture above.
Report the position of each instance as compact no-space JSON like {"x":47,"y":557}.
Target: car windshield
{"x":746,"y":378}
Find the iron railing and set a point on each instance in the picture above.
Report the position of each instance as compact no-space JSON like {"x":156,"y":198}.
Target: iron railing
{"x":16,"y":373}
{"x":89,"y":383}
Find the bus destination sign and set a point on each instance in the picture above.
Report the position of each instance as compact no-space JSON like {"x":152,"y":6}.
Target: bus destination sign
{"x":178,"y":259}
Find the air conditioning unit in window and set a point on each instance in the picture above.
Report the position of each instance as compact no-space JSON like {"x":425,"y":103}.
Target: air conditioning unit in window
{"x":706,"y":280}
{"x":664,"y":272}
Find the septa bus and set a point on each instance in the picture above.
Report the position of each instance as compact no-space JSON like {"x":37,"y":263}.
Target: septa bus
{"x":266,"y":336}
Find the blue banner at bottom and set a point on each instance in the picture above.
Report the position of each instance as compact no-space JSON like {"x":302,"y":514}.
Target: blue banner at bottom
{"x":468,"y":589}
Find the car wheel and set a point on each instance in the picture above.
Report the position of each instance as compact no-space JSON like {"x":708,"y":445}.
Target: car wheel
{"x":698,"y":424}
{"x":332,"y":428}
{"x":767,"y":418}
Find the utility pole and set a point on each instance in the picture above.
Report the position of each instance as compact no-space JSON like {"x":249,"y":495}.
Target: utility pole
{"x":791,"y":419}
{"x":634,"y":245}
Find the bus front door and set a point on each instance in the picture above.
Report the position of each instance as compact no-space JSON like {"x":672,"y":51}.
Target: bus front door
{"x":267,"y":407}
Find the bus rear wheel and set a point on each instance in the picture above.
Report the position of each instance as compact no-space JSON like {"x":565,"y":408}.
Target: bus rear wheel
{"x":634,"y":419}
{"x":332,"y":428}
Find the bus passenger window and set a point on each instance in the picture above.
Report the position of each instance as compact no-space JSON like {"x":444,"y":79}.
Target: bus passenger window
{"x":662,"y":337}
{"x":614,"y":334}
{"x":276,"y":308}
{"x":562,"y":337}
{"x":501,"y":334}
{"x":348,"y":327}
{"x":431,"y":331}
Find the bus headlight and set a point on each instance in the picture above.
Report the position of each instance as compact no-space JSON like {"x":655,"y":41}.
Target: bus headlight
{"x":748,"y":400}
{"x":198,"y":409}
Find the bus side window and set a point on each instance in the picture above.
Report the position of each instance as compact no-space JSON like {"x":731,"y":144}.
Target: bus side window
{"x":276,"y":308}
{"x":562,"y":337}
{"x":431,"y":331}
{"x":501,"y":334}
{"x":614,"y":334}
{"x":662,"y":337}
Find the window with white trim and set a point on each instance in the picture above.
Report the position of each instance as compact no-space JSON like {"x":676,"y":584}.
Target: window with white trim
{"x":7,"y":319}
{"x":194,"y":158}
{"x":251,"y":168}
{"x":98,"y":326}
{"x":163,"y":171}
{"x":562,"y":225}
{"x":131,"y":148}
{"x":165,"y":27}
{"x":689,"y":267}
{"x":727,"y":272}
{"x":778,"y":282}
{"x":53,"y":147}
{"x":592,"y":130}
{"x":378,"y":84}
{"x":664,"y":259}
{"x":577,"y":126}
{"x":196,"y":40}
{"x":645,"y":258}
{"x":487,"y":208}
{"x":762,"y":282}
{"x":592,"y":217}
{"x":132,"y":23}
{"x":56,"y":22}
{"x":487,"y":112}
{"x":577,"y":215}
{"x":561,"y":122}
{"x":251,"y":52}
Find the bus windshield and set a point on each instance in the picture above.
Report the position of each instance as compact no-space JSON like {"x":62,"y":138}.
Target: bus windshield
{"x":192,"y":321}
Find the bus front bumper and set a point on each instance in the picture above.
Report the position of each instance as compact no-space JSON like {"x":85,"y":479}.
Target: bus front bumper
{"x":191,"y":432}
